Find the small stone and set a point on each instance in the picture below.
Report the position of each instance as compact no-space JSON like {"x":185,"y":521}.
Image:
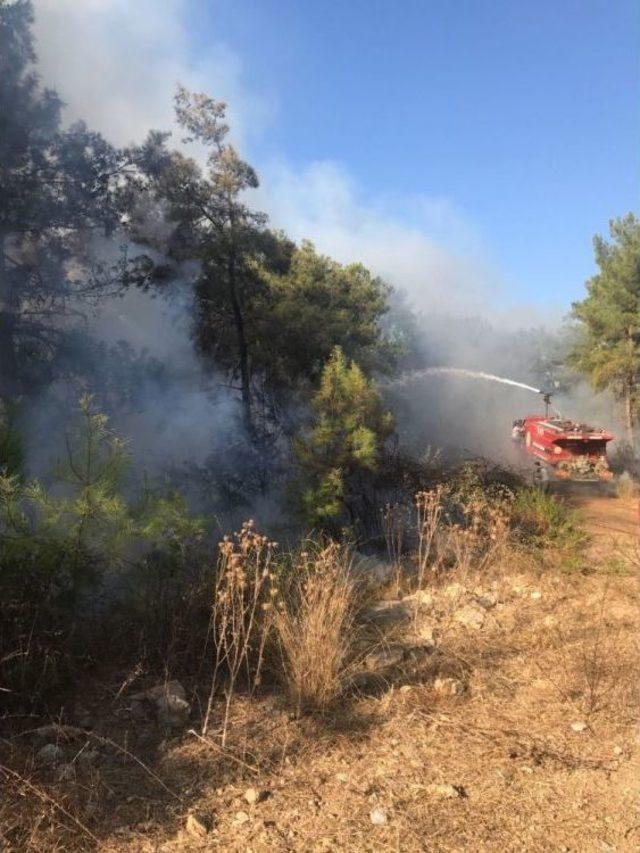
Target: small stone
{"x":342,"y":777}
{"x":170,"y":688}
{"x":487,"y":600}
{"x":406,"y":688}
{"x":578,"y":727}
{"x":169,"y":702}
{"x":241,"y":817}
{"x":385,"y":657}
{"x":49,"y":755}
{"x":253,"y":796}
{"x":173,"y":711}
{"x":448,"y":686}
{"x":536,"y":595}
{"x":378,"y":817}
{"x":617,"y":750}
{"x":198,"y":826}
{"x":471,"y":616}
{"x":448,"y":792}
{"x":425,"y":632}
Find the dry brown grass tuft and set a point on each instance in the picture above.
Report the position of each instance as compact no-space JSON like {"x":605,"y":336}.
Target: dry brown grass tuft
{"x":316,"y":629}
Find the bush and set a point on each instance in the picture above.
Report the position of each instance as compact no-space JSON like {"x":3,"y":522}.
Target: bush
{"x":78,"y":555}
{"x":316,"y":629}
{"x":541,"y":517}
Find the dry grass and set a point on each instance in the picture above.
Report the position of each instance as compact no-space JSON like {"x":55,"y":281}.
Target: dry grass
{"x":499,"y":765}
{"x":317,"y":631}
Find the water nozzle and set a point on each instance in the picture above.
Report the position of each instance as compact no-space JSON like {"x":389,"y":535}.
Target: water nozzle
{"x":546,"y":396}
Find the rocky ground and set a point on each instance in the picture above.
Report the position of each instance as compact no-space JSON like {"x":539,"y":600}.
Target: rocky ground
{"x":496,"y":713}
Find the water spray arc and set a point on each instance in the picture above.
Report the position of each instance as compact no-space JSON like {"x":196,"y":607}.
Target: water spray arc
{"x":416,"y":375}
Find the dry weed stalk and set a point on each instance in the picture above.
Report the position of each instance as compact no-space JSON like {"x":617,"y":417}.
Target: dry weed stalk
{"x":316,"y":629}
{"x":245,"y":594}
{"x":481,"y":540}
{"x":47,"y":800}
{"x":429,"y":510}
{"x":394,"y":517}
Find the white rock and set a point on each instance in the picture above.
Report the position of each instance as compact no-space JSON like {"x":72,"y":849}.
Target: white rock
{"x":253,"y":796}
{"x":378,"y":817}
{"x":471,"y":616}
{"x":449,"y":792}
{"x":578,"y":727}
{"x":241,"y":817}
{"x":448,"y":686}
{"x":617,"y":750}
{"x":536,"y":595}
{"x":425,"y":631}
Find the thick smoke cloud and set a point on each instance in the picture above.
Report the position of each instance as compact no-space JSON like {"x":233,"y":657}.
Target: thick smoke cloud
{"x":116,"y":65}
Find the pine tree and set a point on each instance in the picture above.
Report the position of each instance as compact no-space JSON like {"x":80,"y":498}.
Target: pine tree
{"x":56,"y":188}
{"x":608,"y":351}
{"x":343,"y":448}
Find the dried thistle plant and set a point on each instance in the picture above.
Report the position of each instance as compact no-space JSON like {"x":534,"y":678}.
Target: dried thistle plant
{"x":245,"y":595}
{"x":429,"y":514}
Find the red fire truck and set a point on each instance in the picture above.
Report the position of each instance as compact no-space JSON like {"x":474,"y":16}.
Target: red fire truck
{"x":567,"y":450}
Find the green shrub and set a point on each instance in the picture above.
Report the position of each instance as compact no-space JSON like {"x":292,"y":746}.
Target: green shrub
{"x":541,"y":518}
{"x":80,"y":556}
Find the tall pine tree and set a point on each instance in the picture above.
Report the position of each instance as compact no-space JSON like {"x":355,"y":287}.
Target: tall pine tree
{"x":57,"y":187}
{"x":608,"y":351}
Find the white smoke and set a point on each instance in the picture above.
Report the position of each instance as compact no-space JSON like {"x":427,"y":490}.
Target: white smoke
{"x":116,"y":64}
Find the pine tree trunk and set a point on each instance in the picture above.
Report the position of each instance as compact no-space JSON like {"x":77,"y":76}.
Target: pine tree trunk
{"x":629,"y":415}
{"x":8,"y":361}
{"x":243,"y":349}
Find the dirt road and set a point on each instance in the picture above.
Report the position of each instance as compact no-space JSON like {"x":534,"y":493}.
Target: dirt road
{"x":613,"y":527}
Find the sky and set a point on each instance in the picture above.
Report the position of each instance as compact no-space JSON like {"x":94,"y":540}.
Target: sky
{"x":468,"y":151}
